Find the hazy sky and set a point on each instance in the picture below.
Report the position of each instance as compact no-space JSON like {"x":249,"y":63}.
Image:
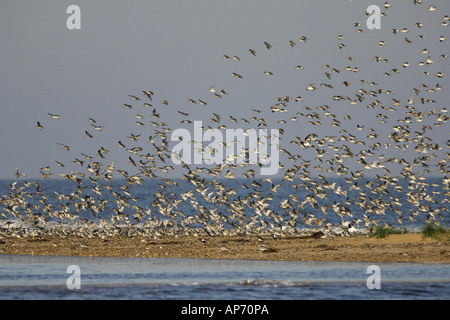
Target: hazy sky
{"x":175,"y":49}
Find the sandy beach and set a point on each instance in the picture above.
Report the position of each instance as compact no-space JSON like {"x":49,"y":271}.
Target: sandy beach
{"x":395,"y":248}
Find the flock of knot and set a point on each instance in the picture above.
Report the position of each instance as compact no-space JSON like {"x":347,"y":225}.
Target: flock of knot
{"x":219,"y":207}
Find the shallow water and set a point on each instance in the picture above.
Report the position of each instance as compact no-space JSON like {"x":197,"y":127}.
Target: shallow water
{"x":38,"y":277}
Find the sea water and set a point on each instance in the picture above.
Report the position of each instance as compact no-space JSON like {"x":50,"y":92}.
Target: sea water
{"x":46,"y":277}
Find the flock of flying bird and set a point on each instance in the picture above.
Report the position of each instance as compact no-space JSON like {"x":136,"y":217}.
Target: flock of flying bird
{"x":219,"y":209}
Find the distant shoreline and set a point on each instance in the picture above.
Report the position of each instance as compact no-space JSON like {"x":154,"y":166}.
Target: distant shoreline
{"x":410,"y":247}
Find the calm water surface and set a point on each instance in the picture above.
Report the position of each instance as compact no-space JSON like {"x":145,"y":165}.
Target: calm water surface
{"x":37,"y":277}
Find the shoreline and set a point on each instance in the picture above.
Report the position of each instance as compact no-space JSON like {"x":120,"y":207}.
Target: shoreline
{"x":410,"y":247}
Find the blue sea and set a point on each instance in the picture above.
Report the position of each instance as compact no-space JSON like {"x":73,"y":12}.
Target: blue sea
{"x":39,"y":277}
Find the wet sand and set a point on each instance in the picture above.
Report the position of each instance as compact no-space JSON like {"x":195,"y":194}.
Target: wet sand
{"x":394,"y":248}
